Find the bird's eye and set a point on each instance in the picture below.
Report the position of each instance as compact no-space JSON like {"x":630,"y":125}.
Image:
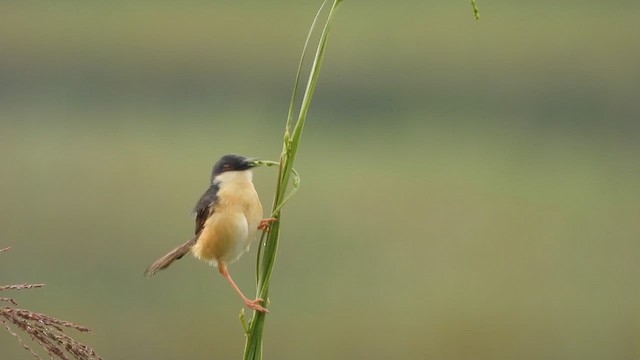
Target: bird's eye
{"x":226,"y":167}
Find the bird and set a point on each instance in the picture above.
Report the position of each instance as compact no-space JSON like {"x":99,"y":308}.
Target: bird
{"x":228,"y":217}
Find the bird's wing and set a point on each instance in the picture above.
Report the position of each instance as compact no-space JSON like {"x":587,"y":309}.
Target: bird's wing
{"x":205,"y":206}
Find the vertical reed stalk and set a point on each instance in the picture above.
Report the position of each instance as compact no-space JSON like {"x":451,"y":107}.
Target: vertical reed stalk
{"x":269,"y":247}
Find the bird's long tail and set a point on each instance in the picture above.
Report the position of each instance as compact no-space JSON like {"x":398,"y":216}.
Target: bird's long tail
{"x":172,"y":256}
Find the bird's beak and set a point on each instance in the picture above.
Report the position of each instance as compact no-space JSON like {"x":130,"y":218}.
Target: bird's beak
{"x":251,"y":162}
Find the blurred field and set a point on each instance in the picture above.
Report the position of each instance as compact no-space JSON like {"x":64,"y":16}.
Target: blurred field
{"x":470,"y":189}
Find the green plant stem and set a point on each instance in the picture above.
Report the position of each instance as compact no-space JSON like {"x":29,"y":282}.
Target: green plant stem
{"x":268,"y":251}
{"x":274,"y":212}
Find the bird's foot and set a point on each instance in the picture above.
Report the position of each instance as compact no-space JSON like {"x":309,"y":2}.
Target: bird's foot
{"x":255,"y":305}
{"x":265,"y":223}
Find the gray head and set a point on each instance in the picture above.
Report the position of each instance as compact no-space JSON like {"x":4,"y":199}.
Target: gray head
{"x":231,"y":163}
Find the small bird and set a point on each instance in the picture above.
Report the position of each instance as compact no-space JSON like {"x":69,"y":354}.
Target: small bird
{"x":228,"y":217}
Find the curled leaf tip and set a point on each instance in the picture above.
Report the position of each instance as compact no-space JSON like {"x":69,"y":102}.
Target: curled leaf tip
{"x":476,"y":13}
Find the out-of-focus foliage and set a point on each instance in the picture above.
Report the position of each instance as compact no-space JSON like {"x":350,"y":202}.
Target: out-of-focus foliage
{"x":470,"y":188}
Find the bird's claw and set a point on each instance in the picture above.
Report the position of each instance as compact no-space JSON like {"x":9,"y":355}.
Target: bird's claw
{"x":265,"y":223}
{"x":255,"y":305}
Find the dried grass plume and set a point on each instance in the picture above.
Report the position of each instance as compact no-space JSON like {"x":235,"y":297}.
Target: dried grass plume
{"x":46,"y":331}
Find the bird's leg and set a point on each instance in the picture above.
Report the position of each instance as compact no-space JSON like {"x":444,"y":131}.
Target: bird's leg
{"x":251,"y":304}
{"x":264,"y":223}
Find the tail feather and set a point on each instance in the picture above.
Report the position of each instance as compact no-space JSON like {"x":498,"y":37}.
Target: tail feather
{"x":172,"y":256}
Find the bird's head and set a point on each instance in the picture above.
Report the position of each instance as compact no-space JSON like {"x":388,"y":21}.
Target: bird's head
{"x":231,"y":163}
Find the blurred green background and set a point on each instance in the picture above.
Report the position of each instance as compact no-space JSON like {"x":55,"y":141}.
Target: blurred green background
{"x":471,"y":189}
